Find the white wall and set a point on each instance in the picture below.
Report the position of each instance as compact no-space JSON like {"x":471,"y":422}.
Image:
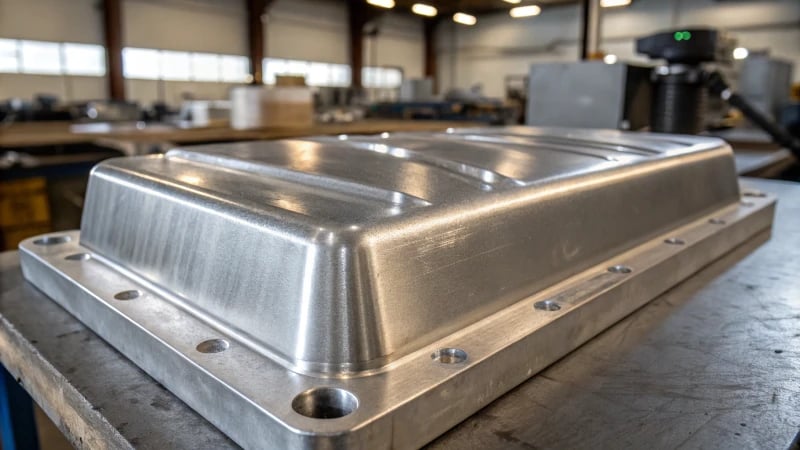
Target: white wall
{"x":313,"y":30}
{"x":498,"y":45}
{"x":52,"y":20}
{"x":211,"y":26}
{"x":399,"y":43}
{"x":317,"y":30}
{"x":186,"y":25}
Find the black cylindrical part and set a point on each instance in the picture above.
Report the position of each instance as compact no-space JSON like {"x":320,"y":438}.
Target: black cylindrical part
{"x":679,"y":103}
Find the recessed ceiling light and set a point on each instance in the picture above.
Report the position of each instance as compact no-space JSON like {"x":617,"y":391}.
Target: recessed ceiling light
{"x":740,"y":53}
{"x":464,"y":19}
{"x":614,"y":3}
{"x":610,"y":59}
{"x":525,"y":11}
{"x":513,"y":2}
{"x":388,"y":4}
{"x":423,"y":9}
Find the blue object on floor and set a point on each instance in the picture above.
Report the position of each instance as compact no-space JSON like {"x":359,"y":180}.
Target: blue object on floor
{"x":17,"y":424}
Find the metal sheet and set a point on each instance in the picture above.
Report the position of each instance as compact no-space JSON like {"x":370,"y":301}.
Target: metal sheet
{"x":366,"y":308}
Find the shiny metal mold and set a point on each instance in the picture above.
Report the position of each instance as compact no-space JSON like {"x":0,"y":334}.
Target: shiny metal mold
{"x":372,"y":292}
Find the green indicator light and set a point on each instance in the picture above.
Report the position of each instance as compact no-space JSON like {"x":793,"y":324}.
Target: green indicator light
{"x":682,"y":35}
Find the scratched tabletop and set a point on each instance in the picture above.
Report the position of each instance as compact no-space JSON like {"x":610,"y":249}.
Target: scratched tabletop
{"x":712,"y":363}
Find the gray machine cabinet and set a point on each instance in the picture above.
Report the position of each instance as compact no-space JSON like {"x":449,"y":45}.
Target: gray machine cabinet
{"x":589,"y":94}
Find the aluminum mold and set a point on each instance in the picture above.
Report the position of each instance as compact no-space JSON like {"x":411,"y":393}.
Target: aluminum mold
{"x":372,"y":292}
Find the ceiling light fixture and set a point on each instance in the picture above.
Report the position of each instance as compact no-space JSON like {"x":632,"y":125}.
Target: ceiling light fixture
{"x":464,"y":19}
{"x":610,"y":59}
{"x":525,"y":11}
{"x":614,"y":3}
{"x":423,"y":9}
{"x":740,"y":53}
{"x":513,"y":2}
{"x":388,"y":4}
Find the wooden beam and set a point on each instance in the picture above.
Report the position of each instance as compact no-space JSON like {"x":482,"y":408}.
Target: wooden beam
{"x":112,"y":28}
{"x":430,"y":52}
{"x":255,"y":37}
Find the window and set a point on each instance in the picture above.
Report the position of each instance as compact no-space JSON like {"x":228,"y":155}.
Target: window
{"x":52,"y":58}
{"x":316,"y":73}
{"x":382,"y":77}
{"x":40,"y":57}
{"x":331,"y":75}
{"x":56,"y":58}
{"x":175,"y":66}
{"x":9,"y":61}
{"x":140,"y":63}
{"x":205,"y":67}
{"x":84,"y":59}
{"x":235,"y":69}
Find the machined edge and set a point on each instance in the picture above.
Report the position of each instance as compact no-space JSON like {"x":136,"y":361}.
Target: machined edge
{"x":428,"y":392}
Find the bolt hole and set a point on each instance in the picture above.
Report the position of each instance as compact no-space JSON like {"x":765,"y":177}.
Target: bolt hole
{"x":213,"y":346}
{"x":127,"y":295}
{"x":754,"y":194}
{"x":547,"y":305}
{"x":674,"y":241}
{"x":716,"y":221}
{"x":325,"y":403}
{"x":78,"y":257}
{"x":620,"y":269}
{"x":449,"y":355}
{"x":52,"y":240}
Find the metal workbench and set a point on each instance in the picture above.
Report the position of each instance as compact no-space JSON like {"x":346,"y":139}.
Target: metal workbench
{"x":712,"y":363}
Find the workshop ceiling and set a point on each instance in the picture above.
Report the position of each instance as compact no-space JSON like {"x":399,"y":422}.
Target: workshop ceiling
{"x":477,"y":6}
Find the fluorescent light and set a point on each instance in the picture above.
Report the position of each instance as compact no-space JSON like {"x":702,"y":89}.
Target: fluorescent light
{"x":614,"y":3}
{"x":388,"y":4}
{"x":464,"y":19}
{"x":513,"y":2}
{"x":525,"y":11}
{"x":423,"y":9}
{"x":740,"y":53}
{"x":610,"y":59}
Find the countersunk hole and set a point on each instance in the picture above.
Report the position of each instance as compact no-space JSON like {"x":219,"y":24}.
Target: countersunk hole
{"x":754,"y":194}
{"x":747,"y":203}
{"x":325,"y":403}
{"x":716,"y":221}
{"x":547,"y":305}
{"x":674,"y":241}
{"x":78,"y":257}
{"x":213,"y":346}
{"x":127,"y":295}
{"x":620,"y":269}
{"x":449,"y":355}
{"x":52,"y":240}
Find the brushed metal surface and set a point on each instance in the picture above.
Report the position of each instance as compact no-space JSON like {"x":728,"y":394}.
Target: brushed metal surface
{"x":338,"y":255}
{"x":324,"y":277}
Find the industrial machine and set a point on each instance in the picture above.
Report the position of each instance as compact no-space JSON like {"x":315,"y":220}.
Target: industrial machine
{"x":374,"y":291}
{"x":675,"y":94}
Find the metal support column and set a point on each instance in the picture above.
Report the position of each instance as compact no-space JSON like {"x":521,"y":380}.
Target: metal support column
{"x":590,"y":29}
{"x":430,"y":52}
{"x":255,"y":38}
{"x":112,"y":29}
{"x":357,"y":18}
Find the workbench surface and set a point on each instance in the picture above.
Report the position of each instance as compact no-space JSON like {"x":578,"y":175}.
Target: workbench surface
{"x":58,"y":133}
{"x":712,"y":363}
